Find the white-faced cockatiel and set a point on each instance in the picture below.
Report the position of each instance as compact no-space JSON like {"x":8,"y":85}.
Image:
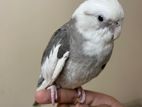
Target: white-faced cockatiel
{"x":81,"y":48}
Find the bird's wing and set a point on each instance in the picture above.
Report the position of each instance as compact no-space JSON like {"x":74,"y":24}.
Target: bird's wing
{"x":54,"y":58}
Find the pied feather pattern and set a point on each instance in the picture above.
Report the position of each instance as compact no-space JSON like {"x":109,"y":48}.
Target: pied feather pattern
{"x":52,"y":67}
{"x":54,"y":58}
{"x":47,"y":68}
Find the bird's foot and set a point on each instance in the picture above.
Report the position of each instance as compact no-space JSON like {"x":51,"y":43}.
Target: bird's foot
{"x":81,"y":95}
{"x":54,"y":95}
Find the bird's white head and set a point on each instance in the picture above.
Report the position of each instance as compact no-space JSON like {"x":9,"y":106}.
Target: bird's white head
{"x":102,"y":18}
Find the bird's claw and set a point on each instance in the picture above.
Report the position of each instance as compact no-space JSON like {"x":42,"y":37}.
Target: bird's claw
{"x":81,"y":96}
{"x":54,"y":95}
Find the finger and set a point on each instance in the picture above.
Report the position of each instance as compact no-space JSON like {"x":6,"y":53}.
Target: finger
{"x":67,"y":96}
{"x":100,"y":99}
{"x":64,"y":96}
{"x":102,"y":105}
{"x":85,"y":105}
{"x":82,"y":105}
{"x":70,"y":96}
{"x":43,"y":97}
{"x":63,"y":105}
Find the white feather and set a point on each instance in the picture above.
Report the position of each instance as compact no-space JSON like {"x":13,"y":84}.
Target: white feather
{"x":98,"y":45}
{"x":111,"y":8}
{"x":59,"y":67}
{"x":98,"y":40}
{"x":50,"y":63}
{"x":52,"y":67}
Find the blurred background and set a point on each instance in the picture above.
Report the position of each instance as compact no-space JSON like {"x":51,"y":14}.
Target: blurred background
{"x":25,"y":29}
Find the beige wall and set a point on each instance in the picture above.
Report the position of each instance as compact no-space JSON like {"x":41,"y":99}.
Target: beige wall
{"x":25,"y":29}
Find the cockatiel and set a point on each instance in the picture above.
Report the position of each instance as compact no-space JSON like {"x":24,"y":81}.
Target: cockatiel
{"x":81,"y":48}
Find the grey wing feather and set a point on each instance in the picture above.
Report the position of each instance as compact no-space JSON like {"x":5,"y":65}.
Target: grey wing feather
{"x":40,"y":80}
{"x":60,"y":36}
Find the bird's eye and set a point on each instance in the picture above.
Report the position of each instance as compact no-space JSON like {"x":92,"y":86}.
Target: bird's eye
{"x":117,"y":23}
{"x":100,"y":18}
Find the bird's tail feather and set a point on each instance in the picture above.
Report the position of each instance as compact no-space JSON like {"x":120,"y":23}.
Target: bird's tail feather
{"x":35,"y":104}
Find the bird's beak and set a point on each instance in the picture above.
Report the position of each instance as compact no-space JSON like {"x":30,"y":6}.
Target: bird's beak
{"x":112,"y":25}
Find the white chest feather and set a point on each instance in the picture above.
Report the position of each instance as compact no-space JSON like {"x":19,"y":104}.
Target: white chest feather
{"x":91,"y":49}
{"x":100,"y":44}
{"x":98,"y":50}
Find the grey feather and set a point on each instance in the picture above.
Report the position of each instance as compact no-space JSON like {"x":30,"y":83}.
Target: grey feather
{"x":40,"y":80}
{"x":80,"y":49}
{"x":79,"y":68}
{"x":60,"y":36}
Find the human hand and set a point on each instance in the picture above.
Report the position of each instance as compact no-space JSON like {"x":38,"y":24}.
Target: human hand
{"x":67,"y":98}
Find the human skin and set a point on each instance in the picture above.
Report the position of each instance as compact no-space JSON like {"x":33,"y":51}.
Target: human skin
{"x":68,"y":98}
